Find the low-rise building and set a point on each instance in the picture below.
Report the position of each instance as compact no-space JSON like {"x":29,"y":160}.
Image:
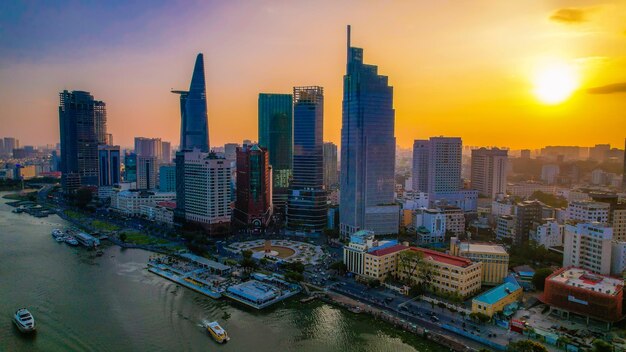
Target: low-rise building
{"x":497,"y":299}
{"x":455,"y":219}
{"x":129,"y":202}
{"x":582,"y":292}
{"x":430,"y":225}
{"x":162,"y":212}
{"x":588,"y":211}
{"x":449,"y":274}
{"x":494,"y":259}
{"x":549,"y":234}
{"x":505,"y":227}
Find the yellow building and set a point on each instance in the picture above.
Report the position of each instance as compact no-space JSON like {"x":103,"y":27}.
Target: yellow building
{"x":382,"y":262}
{"x":496,"y":299}
{"x":619,"y":225}
{"x":450,"y":274}
{"x":494,"y":259}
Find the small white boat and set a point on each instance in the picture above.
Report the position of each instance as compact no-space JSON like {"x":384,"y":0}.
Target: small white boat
{"x":217,"y":332}
{"x":24,"y":321}
{"x":71,"y":241}
{"x":60,"y":238}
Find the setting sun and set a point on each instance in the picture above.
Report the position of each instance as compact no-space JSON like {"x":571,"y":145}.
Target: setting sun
{"x":555,"y":83}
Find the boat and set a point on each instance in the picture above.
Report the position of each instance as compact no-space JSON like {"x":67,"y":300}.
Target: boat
{"x":71,"y":241}
{"x":99,"y":253}
{"x":60,"y":238}
{"x":56,"y":233}
{"x":217,"y":332}
{"x":24,"y":321}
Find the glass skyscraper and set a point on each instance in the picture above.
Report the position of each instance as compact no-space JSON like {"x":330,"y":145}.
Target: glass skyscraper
{"x":276,"y":134}
{"x":306,"y":206}
{"x":367,"y":186}
{"x":82,"y":122}
{"x":194,"y":127}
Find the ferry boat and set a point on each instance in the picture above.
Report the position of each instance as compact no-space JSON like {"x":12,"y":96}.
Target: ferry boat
{"x":217,"y":332}
{"x":71,"y":241}
{"x":24,"y":321}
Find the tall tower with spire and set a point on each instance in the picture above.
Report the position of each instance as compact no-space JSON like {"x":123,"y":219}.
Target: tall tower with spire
{"x":194,"y":126}
{"x":368,"y":148}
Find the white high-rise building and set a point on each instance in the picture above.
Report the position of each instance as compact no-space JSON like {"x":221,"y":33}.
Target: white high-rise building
{"x":549,"y":173}
{"x":588,"y":211}
{"x":549,"y":234}
{"x":588,"y":246}
{"x":489,"y":168}
{"x":207,"y":188}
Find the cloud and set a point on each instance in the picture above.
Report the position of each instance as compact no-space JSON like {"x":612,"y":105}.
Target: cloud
{"x":571,"y":15}
{"x":608,"y":89}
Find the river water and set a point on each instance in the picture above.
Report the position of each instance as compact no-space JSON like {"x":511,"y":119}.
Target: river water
{"x":111,"y":303}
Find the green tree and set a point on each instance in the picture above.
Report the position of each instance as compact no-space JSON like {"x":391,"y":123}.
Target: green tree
{"x":526,"y":346}
{"x":480,"y":317}
{"x":601,"y":346}
{"x":416,"y":270}
{"x":82,"y":197}
{"x":247,"y":254}
{"x":123,"y":236}
{"x":539,"y":279}
{"x":339,"y":266}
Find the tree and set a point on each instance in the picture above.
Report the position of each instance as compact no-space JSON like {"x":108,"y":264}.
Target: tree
{"x":539,"y":279}
{"x":601,"y":346}
{"x":294,"y":276}
{"x":339,"y":266}
{"x":247,"y":254}
{"x":480,"y":317}
{"x":123,"y":236}
{"x":373,"y":283}
{"x":526,"y":346}
{"x":82,"y":197}
{"x":417,"y":271}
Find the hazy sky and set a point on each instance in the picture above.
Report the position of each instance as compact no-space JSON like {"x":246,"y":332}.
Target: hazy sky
{"x":459,"y":68}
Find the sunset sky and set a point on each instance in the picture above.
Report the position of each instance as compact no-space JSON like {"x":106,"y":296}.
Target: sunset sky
{"x":458,"y":68}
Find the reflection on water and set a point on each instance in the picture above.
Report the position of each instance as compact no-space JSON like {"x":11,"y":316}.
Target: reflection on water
{"x":111,"y":303}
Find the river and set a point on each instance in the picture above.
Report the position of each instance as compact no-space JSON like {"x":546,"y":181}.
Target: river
{"x":111,"y":303}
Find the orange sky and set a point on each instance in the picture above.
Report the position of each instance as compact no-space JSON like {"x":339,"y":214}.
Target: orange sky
{"x":459,"y":68}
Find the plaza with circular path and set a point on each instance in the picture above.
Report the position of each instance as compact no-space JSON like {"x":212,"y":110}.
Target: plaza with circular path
{"x":287,"y":250}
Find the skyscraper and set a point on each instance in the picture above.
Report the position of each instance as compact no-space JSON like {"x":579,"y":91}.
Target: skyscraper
{"x":276,"y":134}
{"x":108,"y":169}
{"x":194,"y":127}
{"x":130,"y":167}
{"x":444,"y":165}
{"x":253,"y":205}
{"x":420,"y":165}
{"x":489,"y":171}
{"x":624,"y":170}
{"x":330,"y":166}
{"x":148,"y":147}
{"x":203,"y":190}
{"x":166,"y":152}
{"x":82,"y":123}
{"x":147,"y":172}
{"x":368,"y":147}
{"x":306,"y":205}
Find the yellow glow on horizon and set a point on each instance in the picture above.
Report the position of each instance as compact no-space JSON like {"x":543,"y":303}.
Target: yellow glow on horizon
{"x":555,"y":83}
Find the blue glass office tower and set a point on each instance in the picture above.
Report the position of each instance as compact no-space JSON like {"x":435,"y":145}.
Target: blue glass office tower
{"x":276,"y":134}
{"x":194,"y":126}
{"x":109,"y":165}
{"x":368,"y":146}
{"x":82,"y":125}
{"x":130,"y":167}
{"x":306,"y":205}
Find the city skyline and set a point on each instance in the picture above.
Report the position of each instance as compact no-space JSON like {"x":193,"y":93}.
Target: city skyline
{"x":588,"y":42}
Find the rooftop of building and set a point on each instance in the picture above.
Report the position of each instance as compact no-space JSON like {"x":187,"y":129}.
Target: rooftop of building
{"x":443,"y":257}
{"x":587,"y":280}
{"x":478,"y":247}
{"x":204,"y":261}
{"x":255,"y":291}
{"x":167,"y":204}
{"x":498,"y":293}
{"x":379,"y":252}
